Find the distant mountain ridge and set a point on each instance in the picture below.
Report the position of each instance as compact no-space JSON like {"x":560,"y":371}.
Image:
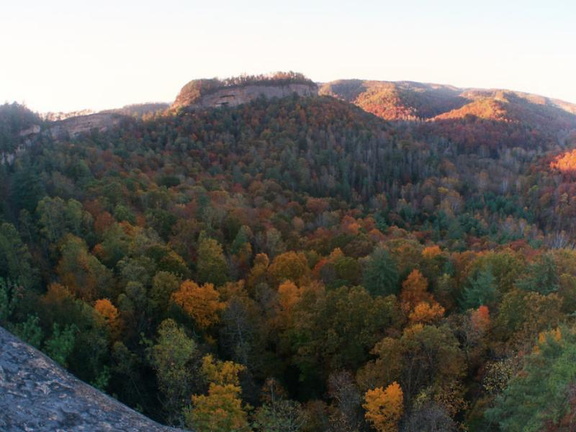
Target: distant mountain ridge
{"x":389,"y":100}
{"x":459,"y":114}
{"x":401,"y":100}
{"x":407,"y":100}
{"x":470,"y":118}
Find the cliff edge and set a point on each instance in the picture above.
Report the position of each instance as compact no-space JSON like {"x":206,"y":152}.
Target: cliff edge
{"x":38,"y":395}
{"x":214,"y":93}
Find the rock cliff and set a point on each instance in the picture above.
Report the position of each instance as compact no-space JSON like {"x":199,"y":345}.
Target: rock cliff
{"x":38,"y":395}
{"x":73,"y":126}
{"x":201,"y":94}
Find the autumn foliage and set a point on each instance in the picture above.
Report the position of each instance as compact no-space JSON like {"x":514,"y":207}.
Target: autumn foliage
{"x":221,"y":409}
{"x":384,"y":407}
{"x":201,"y":303}
{"x":385,"y":274}
{"x":417,"y":302}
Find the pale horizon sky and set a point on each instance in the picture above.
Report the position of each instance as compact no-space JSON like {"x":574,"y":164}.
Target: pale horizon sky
{"x":66,"y":55}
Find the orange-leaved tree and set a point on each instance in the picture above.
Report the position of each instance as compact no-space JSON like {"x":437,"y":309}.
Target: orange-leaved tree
{"x":201,"y":303}
{"x":417,"y":302}
{"x":109,"y":315}
{"x":384,"y":407}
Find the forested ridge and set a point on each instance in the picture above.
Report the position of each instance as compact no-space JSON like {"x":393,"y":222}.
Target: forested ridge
{"x":301,"y":264}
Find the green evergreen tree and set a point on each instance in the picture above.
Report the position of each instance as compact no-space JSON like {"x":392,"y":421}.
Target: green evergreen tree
{"x":542,"y":276}
{"x":381,"y":274}
{"x":29,"y":331}
{"x":60,"y":345}
{"x":480,"y":290}
{"x":542,"y":392}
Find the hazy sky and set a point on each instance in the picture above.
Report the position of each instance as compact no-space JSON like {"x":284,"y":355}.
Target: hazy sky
{"x":72,"y":54}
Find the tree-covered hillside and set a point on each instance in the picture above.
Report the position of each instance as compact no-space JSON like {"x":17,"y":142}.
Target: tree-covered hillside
{"x":300,"y":264}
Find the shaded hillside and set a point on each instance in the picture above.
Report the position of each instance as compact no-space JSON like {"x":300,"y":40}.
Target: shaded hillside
{"x":406,"y":100}
{"x":468,"y":117}
{"x":17,"y":124}
{"x":317,"y":146}
{"x":402,"y":100}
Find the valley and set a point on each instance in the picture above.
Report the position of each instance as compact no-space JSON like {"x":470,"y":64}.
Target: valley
{"x":345,"y":256}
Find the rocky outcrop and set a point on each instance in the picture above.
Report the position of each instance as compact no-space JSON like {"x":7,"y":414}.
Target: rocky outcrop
{"x":241,"y":94}
{"x":38,"y":395}
{"x":32,"y":130}
{"x":59,"y":116}
{"x":74,"y":126}
{"x":70,"y":126}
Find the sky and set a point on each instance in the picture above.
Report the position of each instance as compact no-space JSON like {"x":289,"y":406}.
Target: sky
{"x":64,"y":55}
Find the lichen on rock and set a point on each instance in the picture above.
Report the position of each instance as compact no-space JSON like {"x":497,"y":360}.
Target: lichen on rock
{"x":38,"y":395}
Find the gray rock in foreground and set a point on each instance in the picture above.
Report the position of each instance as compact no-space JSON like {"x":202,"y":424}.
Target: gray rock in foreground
{"x":38,"y":395}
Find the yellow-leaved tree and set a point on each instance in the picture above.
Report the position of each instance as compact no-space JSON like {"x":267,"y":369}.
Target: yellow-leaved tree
{"x":221,"y":409}
{"x":384,"y":407}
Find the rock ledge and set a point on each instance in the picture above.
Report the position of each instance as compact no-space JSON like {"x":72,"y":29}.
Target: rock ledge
{"x":38,"y":395}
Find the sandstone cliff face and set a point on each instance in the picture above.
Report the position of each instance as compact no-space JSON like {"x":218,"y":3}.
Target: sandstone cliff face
{"x":60,"y":130}
{"x":238,"y":95}
{"x":38,"y":395}
{"x":74,"y":126}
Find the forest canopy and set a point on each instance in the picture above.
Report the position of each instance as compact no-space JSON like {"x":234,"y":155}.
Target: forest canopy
{"x":297,"y":264}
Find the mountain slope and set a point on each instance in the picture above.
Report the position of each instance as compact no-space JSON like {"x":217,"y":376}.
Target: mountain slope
{"x":402,"y":100}
{"x":313,"y":250}
{"x":406,"y":100}
{"x":469,"y":117}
